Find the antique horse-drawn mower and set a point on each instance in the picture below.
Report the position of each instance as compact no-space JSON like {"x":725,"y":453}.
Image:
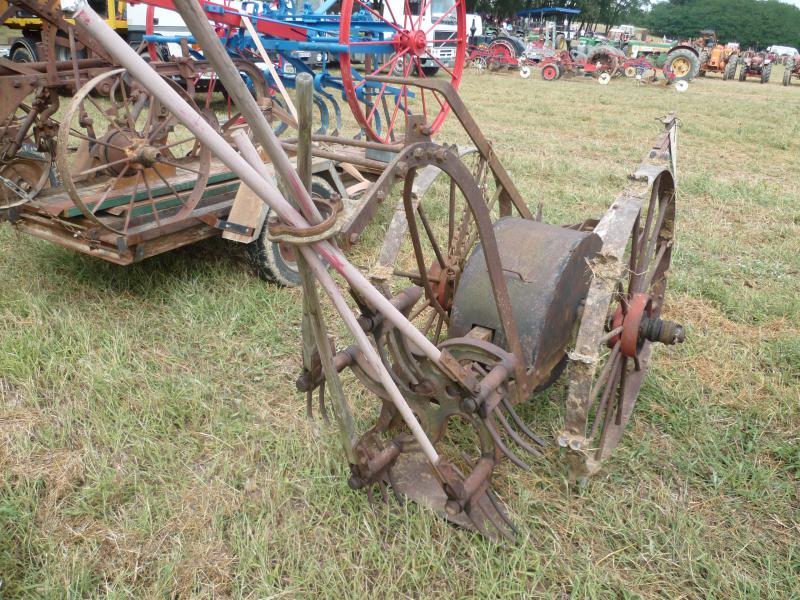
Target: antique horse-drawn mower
{"x":472,"y":305}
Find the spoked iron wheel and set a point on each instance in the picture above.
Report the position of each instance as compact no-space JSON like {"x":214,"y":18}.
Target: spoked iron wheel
{"x":442,"y":232}
{"x":129,"y":155}
{"x":625,"y":326}
{"x":405,"y":36}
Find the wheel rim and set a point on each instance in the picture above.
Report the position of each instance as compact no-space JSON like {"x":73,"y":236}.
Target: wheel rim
{"x":619,"y":381}
{"x":549,"y":73}
{"x":406,"y":37}
{"x":130,"y":150}
{"x":681,"y":66}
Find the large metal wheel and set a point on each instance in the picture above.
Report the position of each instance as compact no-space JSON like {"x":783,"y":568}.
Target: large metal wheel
{"x":442,"y":233}
{"x":619,"y":328}
{"x":129,"y":154}
{"x":405,"y":36}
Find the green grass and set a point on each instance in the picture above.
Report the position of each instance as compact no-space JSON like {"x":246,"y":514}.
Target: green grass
{"x":152,"y":444}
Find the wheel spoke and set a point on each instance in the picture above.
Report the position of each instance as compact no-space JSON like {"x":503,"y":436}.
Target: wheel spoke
{"x":101,"y":167}
{"x":131,"y":202}
{"x":106,"y":193}
{"x":441,"y":18}
{"x":440,"y":63}
{"x":377,"y":14}
{"x":429,"y":232}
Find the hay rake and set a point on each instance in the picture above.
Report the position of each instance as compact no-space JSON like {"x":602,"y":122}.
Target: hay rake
{"x":489,"y":305}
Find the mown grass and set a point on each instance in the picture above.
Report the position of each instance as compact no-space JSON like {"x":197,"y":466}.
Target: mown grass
{"x":152,"y":444}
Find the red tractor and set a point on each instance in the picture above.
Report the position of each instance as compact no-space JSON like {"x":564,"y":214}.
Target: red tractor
{"x":755,"y":64}
{"x":791,"y":69}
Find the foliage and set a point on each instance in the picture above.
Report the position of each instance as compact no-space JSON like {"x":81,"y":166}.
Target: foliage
{"x":752,"y":23}
{"x":612,"y":12}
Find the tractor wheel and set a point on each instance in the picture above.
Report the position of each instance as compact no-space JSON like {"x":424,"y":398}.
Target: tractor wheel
{"x":743,"y":72}
{"x":551,"y":72}
{"x":24,"y":53}
{"x":766,"y":72}
{"x":683,"y":64}
{"x":787,"y":72}
{"x":630,"y":72}
{"x":275,"y":262}
{"x":730,"y":68}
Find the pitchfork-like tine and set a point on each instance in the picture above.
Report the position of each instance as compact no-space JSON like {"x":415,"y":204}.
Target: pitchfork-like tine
{"x":310,"y":405}
{"x":497,"y":518}
{"x":500,"y":510}
{"x":502,"y":447}
{"x":516,"y":418}
{"x":322,"y":410}
{"x":515,"y":436}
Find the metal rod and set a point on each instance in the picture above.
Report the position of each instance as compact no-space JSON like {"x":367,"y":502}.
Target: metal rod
{"x":127,"y":57}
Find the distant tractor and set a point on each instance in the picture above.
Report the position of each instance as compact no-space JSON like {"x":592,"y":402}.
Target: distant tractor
{"x":692,"y":58}
{"x":755,"y":64}
{"x":791,"y":69}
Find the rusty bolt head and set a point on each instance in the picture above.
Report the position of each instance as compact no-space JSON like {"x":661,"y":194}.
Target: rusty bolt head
{"x":452,"y":508}
{"x":469,"y":405}
{"x":355,"y":482}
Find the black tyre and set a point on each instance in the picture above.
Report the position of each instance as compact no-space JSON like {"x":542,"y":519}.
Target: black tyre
{"x":551,"y":72}
{"x":274,"y":262}
{"x":430,"y":71}
{"x":766,"y":72}
{"x":24,"y":53}
{"x":730,"y":68}
{"x":743,"y":72}
{"x":683,"y":64}
{"x":787,"y":71}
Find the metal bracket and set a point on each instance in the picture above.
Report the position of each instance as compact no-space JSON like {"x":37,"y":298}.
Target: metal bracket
{"x":222,"y":225}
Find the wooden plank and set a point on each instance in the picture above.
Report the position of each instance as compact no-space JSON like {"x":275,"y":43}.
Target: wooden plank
{"x":248,"y":210}
{"x":56,"y":202}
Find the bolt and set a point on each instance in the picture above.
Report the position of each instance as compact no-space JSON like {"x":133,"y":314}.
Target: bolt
{"x":452,"y":508}
{"x":355,"y":482}
{"x":468,"y":405}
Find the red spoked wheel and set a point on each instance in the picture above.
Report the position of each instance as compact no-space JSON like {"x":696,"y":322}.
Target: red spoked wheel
{"x":400,"y":37}
{"x":550,"y":72}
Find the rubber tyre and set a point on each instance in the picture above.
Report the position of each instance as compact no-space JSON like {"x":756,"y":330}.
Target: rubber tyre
{"x":265,"y":257}
{"x":766,"y":73}
{"x":788,"y":67}
{"x":730,"y":68}
{"x":430,"y":71}
{"x":683,"y":54}
{"x":24,"y":53}
{"x":551,"y":72}
{"x":743,"y":73}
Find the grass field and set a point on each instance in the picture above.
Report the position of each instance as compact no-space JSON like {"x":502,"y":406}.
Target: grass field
{"x":152,"y":444}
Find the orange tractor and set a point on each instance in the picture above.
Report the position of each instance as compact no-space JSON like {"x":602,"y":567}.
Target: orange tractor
{"x":716,"y":58}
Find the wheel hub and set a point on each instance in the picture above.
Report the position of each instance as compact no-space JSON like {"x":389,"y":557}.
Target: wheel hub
{"x":639,"y":325}
{"x":414,"y":41}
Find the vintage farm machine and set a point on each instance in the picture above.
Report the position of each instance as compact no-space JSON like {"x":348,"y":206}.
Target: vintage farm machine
{"x":472,"y":305}
{"x":391,"y":38}
{"x":755,"y":64}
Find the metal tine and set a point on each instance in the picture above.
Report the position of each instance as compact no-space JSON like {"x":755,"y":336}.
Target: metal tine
{"x":322,"y":410}
{"x":503,"y":448}
{"x":518,"y":420}
{"x":497,"y":519}
{"x":515,"y":436}
{"x":498,"y":506}
{"x":495,"y":502}
{"x":475,"y":511}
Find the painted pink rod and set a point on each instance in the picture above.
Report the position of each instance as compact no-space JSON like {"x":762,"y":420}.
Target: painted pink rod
{"x":128,"y":58}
